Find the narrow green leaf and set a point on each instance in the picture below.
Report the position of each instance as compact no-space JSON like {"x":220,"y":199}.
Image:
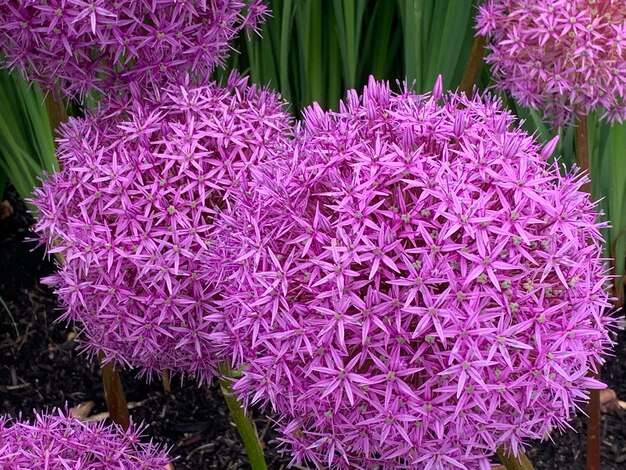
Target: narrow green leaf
{"x":286,"y":26}
{"x":26,"y":144}
{"x":334,"y":71}
{"x":411,"y":13}
{"x":434,"y":39}
{"x":448,"y":41}
{"x":377,"y":50}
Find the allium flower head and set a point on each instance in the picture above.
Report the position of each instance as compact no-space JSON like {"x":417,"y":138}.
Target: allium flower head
{"x":563,"y":57}
{"x":58,"y":441}
{"x":107,"y":44}
{"x":415,"y":286}
{"x":131,"y":213}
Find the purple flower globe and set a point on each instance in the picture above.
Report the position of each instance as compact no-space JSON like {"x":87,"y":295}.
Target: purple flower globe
{"x":413,"y":285}
{"x":79,"y":45}
{"x":57,"y":441}
{"x":562,"y":57}
{"x":131,"y":213}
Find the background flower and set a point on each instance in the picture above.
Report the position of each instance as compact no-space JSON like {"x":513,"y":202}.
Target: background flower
{"x":413,"y":285}
{"x":563,"y":57}
{"x":132,"y":212}
{"x":55,"y":440}
{"x":107,"y":44}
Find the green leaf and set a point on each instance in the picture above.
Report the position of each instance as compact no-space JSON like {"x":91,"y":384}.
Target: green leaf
{"x":26,"y":144}
{"x":412,"y":14}
{"x":437,"y":40}
{"x":380,"y":42}
{"x":615,"y":163}
{"x":348,"y":21}
{"x":3,"y":184}
{"x":286,"y":25}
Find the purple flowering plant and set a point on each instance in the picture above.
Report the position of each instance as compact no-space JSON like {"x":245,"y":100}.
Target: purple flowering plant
{"x":407,"y":282}
{"x":111,"y":45}
{"x":413,"y":285}
{"x":132,"y":214}
{"x":563,"y":57}
{"x":57,"y":441}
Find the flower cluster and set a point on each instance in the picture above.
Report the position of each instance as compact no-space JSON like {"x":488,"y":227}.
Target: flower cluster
{"x":131,"y":214}
{"x":80,"y":45}
{"x":57,"y":441}
{"x":414,"y":285}
{"x":563,"y":57}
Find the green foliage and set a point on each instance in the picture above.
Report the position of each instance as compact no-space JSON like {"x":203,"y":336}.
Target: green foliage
{"x":26,"y":143}
{"x":313,"y":50}
{"x":437,"y":39}
{"x":607,"y":146}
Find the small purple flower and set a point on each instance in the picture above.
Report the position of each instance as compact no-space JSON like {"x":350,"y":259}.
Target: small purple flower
{"x":562,"y":57}
{"x":413,"y":285}
{"x":132,"y":215}
{"x":58,"y":441}
{"x":79,"y":45}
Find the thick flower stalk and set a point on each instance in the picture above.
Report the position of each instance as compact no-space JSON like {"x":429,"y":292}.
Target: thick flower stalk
{"x":80,"y":45}
{"x":414,"y":285}
{"x":132,"y":215}
{"x":563,"y":57}
{"x":58,"y":441}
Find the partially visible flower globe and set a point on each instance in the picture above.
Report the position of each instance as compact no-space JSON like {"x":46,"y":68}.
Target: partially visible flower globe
{"x":414,"y":285}
{"x":80,"y":45}
{"x":131,"y":213}
{"x":57,"y":441}
{"x":563,"y":57}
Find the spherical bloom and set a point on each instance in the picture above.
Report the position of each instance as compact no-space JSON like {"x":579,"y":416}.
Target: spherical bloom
{"x":415,"y":286}
{"x":78,"y":45}
{"x":132,"y":213}
{"x":58,"y":441}
{"x":563,"y":57}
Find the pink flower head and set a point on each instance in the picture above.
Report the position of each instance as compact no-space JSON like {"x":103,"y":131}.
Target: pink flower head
{"x":562,"y":57}
{"x":58,"y":441}
{"x":414,"y":286}
{"x":107,"y":44}
{"x":132,"y":215}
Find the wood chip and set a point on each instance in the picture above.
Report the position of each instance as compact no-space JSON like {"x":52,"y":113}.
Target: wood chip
{"x":608,"y":400}
{"x":6,"y":210}
{"x":82,"y":410}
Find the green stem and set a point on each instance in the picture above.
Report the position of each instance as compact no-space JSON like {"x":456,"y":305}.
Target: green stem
{"x":514,"y":463}
{"x":245,"y":424}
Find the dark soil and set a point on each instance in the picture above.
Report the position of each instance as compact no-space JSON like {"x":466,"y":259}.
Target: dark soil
{"x":40,"y":368}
